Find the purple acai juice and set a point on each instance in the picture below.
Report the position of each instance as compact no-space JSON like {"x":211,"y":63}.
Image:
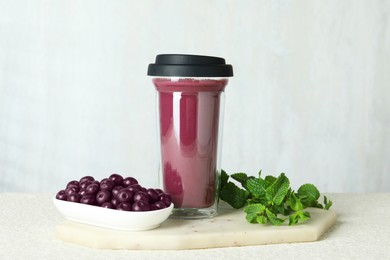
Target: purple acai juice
{"x":189,"y":116}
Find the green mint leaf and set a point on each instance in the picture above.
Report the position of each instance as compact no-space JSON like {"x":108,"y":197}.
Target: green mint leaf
{"x":256,"y":186}
{"x":240,"y":177}
{"x":270,"y":179}
{"x":262,"y":219}
{"x":299,"y":216}
{"x":327,"y":203}
{"x":253,"y":211}
{"x":276,"y":193}
{"x":252,"y":201}
{"x":293,"y":219}
{"x":295,"y":203}
{"x":273,"y":218}
{"x":309,"y":194}
{"x":305,"y":215}
{"x":279,"y":209}
{"x":255,"y":200}
{"x":233,"y":195}
{"x":224,"y":178}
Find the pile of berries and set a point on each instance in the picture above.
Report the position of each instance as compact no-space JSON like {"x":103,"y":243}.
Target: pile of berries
{"x":114,"y":192}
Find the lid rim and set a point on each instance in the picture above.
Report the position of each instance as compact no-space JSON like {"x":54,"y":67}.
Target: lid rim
{"x":189,"y":66}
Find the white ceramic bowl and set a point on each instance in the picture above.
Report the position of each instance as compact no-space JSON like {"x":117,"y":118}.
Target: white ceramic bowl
{"x":111,"y":218}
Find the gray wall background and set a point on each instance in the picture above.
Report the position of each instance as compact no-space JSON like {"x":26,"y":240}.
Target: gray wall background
{"x":310,"y":96}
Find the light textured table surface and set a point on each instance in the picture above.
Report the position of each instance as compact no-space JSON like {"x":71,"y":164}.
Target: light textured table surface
{"x":362,"y":231}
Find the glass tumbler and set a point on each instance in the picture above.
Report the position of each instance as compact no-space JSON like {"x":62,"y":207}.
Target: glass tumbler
{"x":190,"y":95}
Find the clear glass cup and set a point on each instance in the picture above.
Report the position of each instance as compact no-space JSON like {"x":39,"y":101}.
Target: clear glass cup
{"x":190,"y":111}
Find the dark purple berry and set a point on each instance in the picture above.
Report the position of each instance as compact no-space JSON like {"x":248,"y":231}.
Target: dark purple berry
{"x":166,"y":199}
{"x":108,"y":205}
{"x":103,"y":196}
{"x":87,"y":178}
{"x":107,"y":184}
{"x":124,"y":206}
{"x":153,"y":207}
{"x":72,"y":183}
{"x":71,"y":190}
{"x":74,"y":187}
{"x":141,"y":205}
{"x":134,"y":188}
{"x":96,"y":182}
{"x":160,"y":205}
{"x":88,"y":199}
{"x":83,"y":192}
{"x":153,"y":195}
{"x":128,"y":181}
{"x":115,"y":202}
{"x":61,"y":195}
{"x":74,"y":197}
{"x":124,"y":195}
{"x":116,"y":178}
{"x":159,"y":191}
{"x":92,"y":189}
{"x":140,"y":195}
{"x":115,"y":190}
{"x":84,"y":184}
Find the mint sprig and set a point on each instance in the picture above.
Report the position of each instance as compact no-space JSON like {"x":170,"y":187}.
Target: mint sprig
{"x":266,"y":199}
{"x":237,"y":197}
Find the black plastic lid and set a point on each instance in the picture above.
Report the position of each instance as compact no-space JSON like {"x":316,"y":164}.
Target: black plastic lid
{"x":184,"y":65}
